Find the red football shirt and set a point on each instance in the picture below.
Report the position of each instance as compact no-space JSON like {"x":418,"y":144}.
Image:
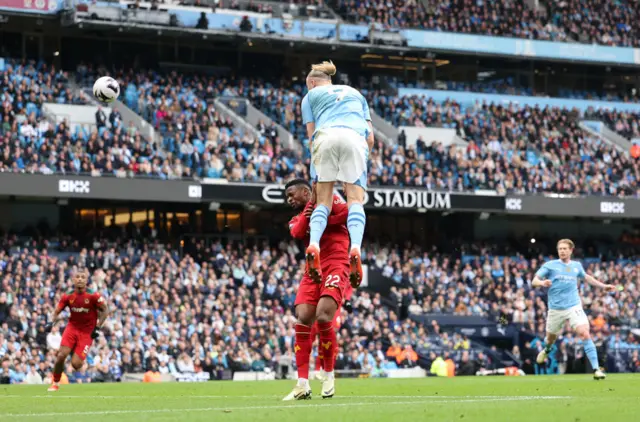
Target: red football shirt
{"x":83,"y":307}
{"x":334,"y":244}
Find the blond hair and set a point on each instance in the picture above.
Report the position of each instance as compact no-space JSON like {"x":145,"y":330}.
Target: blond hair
{"x":324,"y":70}
{"x":568,"y":242}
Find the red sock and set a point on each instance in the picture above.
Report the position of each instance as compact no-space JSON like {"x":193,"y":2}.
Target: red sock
{"x":56,"y":377}
{"x":314,"y":334}
{"x":303,"y":350}
{"x":327,"y":344}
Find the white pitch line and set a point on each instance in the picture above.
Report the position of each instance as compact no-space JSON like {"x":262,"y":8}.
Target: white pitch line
{"x":293,"y":406}
{"x":181,"y":396}
{"x":463,"y":397}
{"x":186,"y":396}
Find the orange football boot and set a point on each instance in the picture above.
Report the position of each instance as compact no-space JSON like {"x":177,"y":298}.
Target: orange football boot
{"x":313,"y":263}
{"x":355,"y":264}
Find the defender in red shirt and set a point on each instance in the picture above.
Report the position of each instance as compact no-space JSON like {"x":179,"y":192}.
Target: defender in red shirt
{"x":322,"y":292}
{"x":88,"y":312}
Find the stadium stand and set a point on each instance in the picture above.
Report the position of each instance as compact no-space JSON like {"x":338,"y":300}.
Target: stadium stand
{"x":508,"y":86}
{"x":569,"y":21}
{"x":509,"y":150}
{"x":255,"y":286}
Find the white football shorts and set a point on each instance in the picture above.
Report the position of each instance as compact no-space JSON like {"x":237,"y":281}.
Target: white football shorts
{"x":557,"y":317}
{"x":339,"y":154}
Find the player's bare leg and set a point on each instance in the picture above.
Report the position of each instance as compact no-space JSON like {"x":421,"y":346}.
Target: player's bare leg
{"x":58,"y":367}
{"x":356,"y":222}
{"x":306,"y":315}
{"x":323,"y":192}
{"x":590,"y":350}
{"x":549,"y":342}
{"x":325,"y":312}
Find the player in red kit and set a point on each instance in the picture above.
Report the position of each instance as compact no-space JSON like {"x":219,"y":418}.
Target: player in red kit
{"x":88,"y":311}
{"x":318,"y":299}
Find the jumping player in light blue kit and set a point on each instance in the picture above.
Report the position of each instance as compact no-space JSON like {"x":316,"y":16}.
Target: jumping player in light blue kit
{"x":561,"y":276}
{"x":339,"y":126}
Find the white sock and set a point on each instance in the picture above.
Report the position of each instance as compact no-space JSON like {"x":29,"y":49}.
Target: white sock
{"x":303,"y":382}
{"x":329,"y":375}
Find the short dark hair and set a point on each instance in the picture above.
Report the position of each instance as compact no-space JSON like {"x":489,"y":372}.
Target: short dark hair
{"x":296,"y":182}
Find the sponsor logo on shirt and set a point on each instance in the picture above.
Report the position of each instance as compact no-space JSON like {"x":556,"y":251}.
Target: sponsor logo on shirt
{"x":565,"y":278}
{"x":81,"y":310}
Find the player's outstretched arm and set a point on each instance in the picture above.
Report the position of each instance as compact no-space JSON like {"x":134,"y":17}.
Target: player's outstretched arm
{"x":592,"y":281}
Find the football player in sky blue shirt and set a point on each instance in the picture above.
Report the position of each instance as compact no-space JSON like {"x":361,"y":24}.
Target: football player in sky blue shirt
{"x":561,"y":277}
{"x":339,"y":127}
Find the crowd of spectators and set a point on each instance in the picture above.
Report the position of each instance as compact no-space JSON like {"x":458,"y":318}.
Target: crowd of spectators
{"x":31,"y":143}
{"x":220,"y":308}
{"x":593,"y":22}
{"x":508,"y":86}
{"x":510,"y":148}
{"x":585,"y":21}
{"x":507,"y":18}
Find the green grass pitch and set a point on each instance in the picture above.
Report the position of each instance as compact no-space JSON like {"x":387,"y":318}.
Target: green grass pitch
{"x":573,"y":398}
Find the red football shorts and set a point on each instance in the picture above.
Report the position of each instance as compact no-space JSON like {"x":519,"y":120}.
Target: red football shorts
{"x":335,"y":281}
{"x":78,"y":341}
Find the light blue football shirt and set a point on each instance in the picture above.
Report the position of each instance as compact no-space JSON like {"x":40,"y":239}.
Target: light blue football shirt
{"x":563,"y":293}
{"x":336,"y":106}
